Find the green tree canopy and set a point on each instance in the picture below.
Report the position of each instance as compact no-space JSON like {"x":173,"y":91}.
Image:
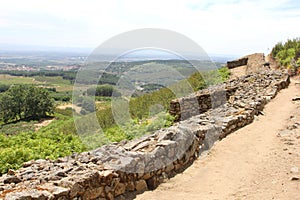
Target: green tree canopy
{"x":24,"y":102}
{"x":103,"y":90}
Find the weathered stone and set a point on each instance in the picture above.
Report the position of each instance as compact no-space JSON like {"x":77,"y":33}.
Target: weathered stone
{"x":110,"y":196}
{"x":296,"y":99}
{"x":29,"y":195}
{"x":152,"y":183}
{"x":120,"y":189}
{"x":169,"y":168}
{"x":94,"y":193}
{"x":130,"y":186}
{"x":294,"y":170}
{"x":147,"y":176}
{"x":74,"y":187}
{"x":11,"y":172}
{"x":108,"y":174}
{"x":295,"y":178}
{"x":141,"y":185}
{"x":61,"y":174}
{"x":12,"y":179}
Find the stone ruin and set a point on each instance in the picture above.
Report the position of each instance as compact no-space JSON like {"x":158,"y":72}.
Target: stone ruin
{"x":237,"y":63}
{"x":247,"y":64}
{"x":134,"y":166}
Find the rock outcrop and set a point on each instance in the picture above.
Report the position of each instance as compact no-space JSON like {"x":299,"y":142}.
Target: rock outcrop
{"x":119,"y":168}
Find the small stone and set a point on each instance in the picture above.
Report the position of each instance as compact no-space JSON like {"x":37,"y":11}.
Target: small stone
{"x":141,"y":185}
{"x":94,"y":193}
{"x":130,"y":186}
{"x":107,"y":189}
{"x":284,"y":133}
{"x":296,"y":99}
{"x":294,"y":170}
{"x":108,"y":174}
{"x":289,"y":143}
{"x":11,"y":172}
{"x":28,"y":163}
{"x":164,"y":175}
{"x":55,"y":190}
{"x":110,"y":196}
{"x":292,"y":127}
{"x":12,"y":179}
{"x":152,"y":183}
{"x":295,"y":178}
{"x":120,"y":189}
{"x":61,"y":174}
{"x":146,"y":176}
{"x":30,"y":194}
{"x":121,"y":197}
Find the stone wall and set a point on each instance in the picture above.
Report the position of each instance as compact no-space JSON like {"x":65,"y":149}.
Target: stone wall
{"x":247,"y":64}
{"x":114,"y":170}
{"x":200,"y":102}
{"x":237,"y":63}
{"x":255,"y":62}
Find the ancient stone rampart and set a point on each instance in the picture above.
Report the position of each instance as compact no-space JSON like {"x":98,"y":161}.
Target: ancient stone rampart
{"x":200,"y":102}
{"x":247,"y":64}
{"x":113,"y":170}
{"x":237,"y":63}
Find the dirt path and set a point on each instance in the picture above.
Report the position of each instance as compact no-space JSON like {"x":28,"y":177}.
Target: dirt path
{"x":255,"y":162}
{"x":45,"y":122}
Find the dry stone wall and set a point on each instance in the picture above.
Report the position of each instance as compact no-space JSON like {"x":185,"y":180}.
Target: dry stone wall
{"x":200,"y":102}
{"x":247,"y":64}
{"x":237,"y":63}
{"x":114,"y":170}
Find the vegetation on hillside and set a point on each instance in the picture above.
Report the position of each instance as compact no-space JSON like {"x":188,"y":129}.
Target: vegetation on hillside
{"x":140,"y":107}
{"x":288,"y":54}
{"x":66,"y":75}
{"x":56,"y":140}
{"x":20,"y":141}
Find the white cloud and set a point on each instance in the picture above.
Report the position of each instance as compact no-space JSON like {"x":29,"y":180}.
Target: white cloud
{"x":226,"y":26}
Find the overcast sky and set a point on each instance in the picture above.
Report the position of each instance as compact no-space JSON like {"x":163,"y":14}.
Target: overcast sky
{"x":235,"y":27}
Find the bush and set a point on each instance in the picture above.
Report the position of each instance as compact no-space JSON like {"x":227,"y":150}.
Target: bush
{"x":4,"y":88}
{"x":288,"y":54}
{"x":16,"y":149}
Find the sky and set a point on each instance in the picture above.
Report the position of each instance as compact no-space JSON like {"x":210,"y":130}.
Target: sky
{"x":231,"y":27}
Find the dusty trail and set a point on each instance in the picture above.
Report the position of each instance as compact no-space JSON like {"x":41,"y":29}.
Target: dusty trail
{"x":255,"y":162}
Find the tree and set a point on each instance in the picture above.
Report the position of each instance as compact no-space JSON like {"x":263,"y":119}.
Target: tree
{"x":25,"y":102}
{"x":37,"y":103}
{"x":6,"y":107}
{"x":17,"y":94}
{"x":103,"y":90}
